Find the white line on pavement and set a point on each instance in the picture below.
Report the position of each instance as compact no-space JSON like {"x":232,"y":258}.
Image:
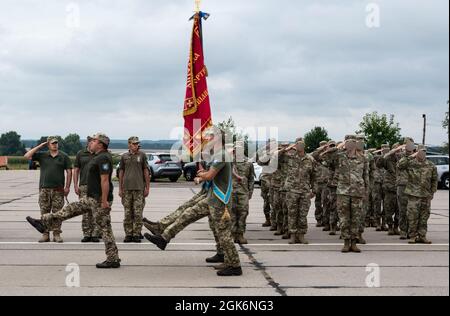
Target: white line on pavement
{"x":212,"y":244}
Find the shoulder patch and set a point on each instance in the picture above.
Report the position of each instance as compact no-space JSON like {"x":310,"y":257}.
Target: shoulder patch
{"x":105,"y":166}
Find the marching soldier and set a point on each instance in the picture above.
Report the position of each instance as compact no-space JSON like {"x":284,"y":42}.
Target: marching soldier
{"x":321,"y":179}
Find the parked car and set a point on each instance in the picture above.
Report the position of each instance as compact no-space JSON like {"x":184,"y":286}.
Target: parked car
{"x":162,"y":166}
{"x":441,"y":163}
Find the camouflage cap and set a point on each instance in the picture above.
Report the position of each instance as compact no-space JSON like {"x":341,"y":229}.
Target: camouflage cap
{"x":331,"y":142}
{"x":348,"y":137}
{"x":299,"y":139}
{"x":134,"y":140}
{"x":52,"y":139}
{"x":89,"y":138}
{"x":323,"y":143}
{"x":422,"y":148}
{"x":385,"y":146}
{"x":102,"y":138}
{"x":361,"y":137}
{"x":396,"y":145}
{"x":407,"y":140}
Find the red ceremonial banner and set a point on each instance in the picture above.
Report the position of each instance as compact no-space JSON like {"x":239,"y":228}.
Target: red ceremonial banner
{"x":197,"y":108}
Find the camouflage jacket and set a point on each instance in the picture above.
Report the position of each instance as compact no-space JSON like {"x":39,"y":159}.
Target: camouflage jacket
{"x":352,"y":175}
{"x":372,"y":168}
{"x":330,"y":160}
{"x":378,"y":174}
{"x":321,"y":172}
{"x":402,"y":174}
{"x":247,"y":172}
{"x":300,"y":176}
{"x":275,"y":164}
{"x":389,"y":163}
{"x":285,"y":162}
{"x":422,"y":177}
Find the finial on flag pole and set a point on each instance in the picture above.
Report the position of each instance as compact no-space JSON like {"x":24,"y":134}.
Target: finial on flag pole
{"x":197,"y":5}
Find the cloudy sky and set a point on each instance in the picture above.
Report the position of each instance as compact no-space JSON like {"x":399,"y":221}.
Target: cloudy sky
{"x":121,"y":66}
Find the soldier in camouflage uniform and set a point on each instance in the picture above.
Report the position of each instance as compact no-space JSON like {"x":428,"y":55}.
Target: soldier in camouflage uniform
{"x":352,"y":177}
{"x":286,"y":157}
{"x":320,"y":183}
{"x":360,"y":143}
{"x":299,"y":184}
{"x":389,"y":163}
{"x":378,"y":191}
{"x":91,"y":231}
{"x":266,"y":177}
{"x":243,"y":186}
{"x":134,"y":180}
{"x":53,"y":187}
{"x":402,"y":181}
{"x":329,"y":156}
{"x":98,"y":201}
{"x":421,"y":187}
{"x":276,"y":196}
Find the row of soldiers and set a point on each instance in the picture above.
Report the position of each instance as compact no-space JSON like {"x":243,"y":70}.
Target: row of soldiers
{"x":57,"y":173}
{"x":353,"y":188}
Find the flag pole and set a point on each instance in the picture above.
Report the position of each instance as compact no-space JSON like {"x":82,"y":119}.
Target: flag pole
{"x":197,"y":5}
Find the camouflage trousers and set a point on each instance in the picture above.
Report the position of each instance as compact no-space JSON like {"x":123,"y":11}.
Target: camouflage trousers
{"x":265,"y":194}
{"x":102,"y":219}
{"x":350,"y":215}
{"x":370,"y":206}
{"x":402,"y":199}
{"x":419,"y":210}
{"x":378,"y":197}
{"x":283,"y":214}
{"x":276,"y":204}
{"x":364,"y":212}
{"x":239,"y":212}
{"x":88,"y":225}
{"x":331,"y":211}
{"x":298,"y":208}
{"x":188,"y":213}
{"x":172,"y":217}
{"x":222,"y":225}
{"x":51,"y":201}
{"x":390,"y":206}
{"x":133,"y":203}
{"x":319,"y":201}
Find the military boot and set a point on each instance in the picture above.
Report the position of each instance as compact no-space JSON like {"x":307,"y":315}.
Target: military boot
{"x":286,"y":236}
{"x":332,"y":230}
{"x":279,"y":231}
{"x":45,"y":238}
{"x":154,"y":228}
{"x":217,"y":258}
{"x":346,"y":248}
{"x":221,"y":266}
{"x":383,"y":225}
{"x":326,"y":228}
{"x":354,"y":247}
{"x":319,"y":224}
{"x":423,"y":240}
{"x":267,"y":222}
{"x":108,"y":265}
{"x":412,"y":241}
{"x":301,"y":239}
{"x":273,"y":229}
{"x":242,"y":240}
{"x":378,"y":225}
{"x":367,"y":223}
{"x":230,"y":271}
{"x":57,"y":238}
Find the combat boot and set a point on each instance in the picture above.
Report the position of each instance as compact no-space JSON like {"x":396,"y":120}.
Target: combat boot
{"x":137,"y":239}
{"x":361,"y":240}
{"x":354,"y":247}
{"x":128,"y":239}
{"x":326,"y":228}
{"x":267,"y":223}
{"x":293,"y":240}
{"x":273,"y":229}
{"x":230,"y":271}
{"x":346,"y":248}
{"x":412,"y":241}
{"x":37,"y":224}
{"x":242,"y":240}
{"x":383,"y":226}
{"x":301,"y":239}
{"x":217,"y":258}
{"x":154,"y":228}
{"x":367,"y":223}
{"x":95,"y":240}
{"x":279,"y":231}
{"x":423,"y":240}
{"x":319,"y":224}
{"x":391,"y":230}
{"x":403,"y":236}
{"x":86,"y":239}
{"x":57,"y":238}
{"x":332,"y":230}
{"x":159,"y":241}
{"x":108,"y":265}
{"x":378,"y":225}
{"x":45,"y":238}
{"x":286,"y":236}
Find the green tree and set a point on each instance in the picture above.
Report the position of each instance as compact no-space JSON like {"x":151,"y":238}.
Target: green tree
{"x":445,"y":126}
{"x":314,"y":137}
{"x":72,"y":144}
{"x":11,"y":145}
{"x":232,"y":133}
{"x":380,"y":129}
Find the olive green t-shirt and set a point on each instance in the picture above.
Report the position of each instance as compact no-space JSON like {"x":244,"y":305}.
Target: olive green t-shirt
{"x":81,"y":161}
{"x":52,"y":169}
{"x":133,"y":166}
{"x":219,"y":194}
{"x":100,"y":164}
